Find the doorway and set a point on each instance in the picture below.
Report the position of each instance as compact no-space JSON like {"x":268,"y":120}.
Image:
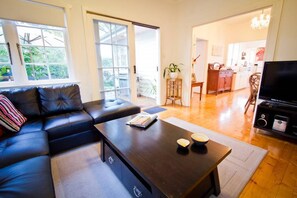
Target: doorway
{"x":199,"y":66}
{"x":147,"y":63}
{"x":219,"y":36}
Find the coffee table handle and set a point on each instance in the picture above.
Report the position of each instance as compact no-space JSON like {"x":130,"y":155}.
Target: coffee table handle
{"x":110,"y":159}
{"x":137,"y":192}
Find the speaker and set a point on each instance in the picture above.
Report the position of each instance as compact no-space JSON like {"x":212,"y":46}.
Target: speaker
{"x":262,"y":120}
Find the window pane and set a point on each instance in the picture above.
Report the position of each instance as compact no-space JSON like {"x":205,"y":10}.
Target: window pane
{"x":121,"y":78}
{"x":106,"y":55}
{"x":37,"y":72}
{"x":59,"y":71}
{"x":53,"y":38}
{"x":108,"y":95}
{"x":30,"y":36}
{"x":108,"y":79}
{"x":5,"y":66}
{"x":2,"y":39}
{"x":119,"y":34}
{"x":4,"y":56}
{"x":123,"y":94}
{"x":33,"y":54}
{"x":55,"y":55}
{"x":120,"y":54}
{"x":104,"y":32}
{"x":5,"y":73}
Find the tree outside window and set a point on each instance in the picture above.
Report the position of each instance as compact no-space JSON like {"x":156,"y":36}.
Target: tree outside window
{"x":44,"y":52}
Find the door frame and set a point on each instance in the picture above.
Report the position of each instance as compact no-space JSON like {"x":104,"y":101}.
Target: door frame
{"x":158,"y":61}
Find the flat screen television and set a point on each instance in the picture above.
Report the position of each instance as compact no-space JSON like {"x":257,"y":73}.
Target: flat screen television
{"x":279,"y":82}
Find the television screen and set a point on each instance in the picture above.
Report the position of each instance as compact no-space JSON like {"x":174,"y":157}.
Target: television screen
{"x":279,"y":82}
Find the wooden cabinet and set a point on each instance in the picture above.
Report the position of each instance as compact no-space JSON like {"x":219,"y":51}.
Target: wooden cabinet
{"x":174,"y":90}
{"x":219,"y":80}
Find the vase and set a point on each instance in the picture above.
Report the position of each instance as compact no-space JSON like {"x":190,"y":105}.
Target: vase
{"x":173,"y":75}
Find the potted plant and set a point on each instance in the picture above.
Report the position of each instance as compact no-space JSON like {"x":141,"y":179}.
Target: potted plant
{"x":172,"y":70}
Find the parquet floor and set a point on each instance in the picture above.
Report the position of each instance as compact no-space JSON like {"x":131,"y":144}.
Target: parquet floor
{"x":277,"y":174}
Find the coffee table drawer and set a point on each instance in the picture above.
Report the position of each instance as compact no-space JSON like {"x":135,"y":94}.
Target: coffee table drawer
{"x":133,"y":184}
{"x":113,"y":161}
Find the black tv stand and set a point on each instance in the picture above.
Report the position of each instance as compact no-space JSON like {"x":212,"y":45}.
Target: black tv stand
{"x":274,"y":104}
{"x":277,"y":118}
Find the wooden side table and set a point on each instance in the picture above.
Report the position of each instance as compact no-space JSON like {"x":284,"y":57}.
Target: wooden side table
{"x":174,"y":90}
{"x":197,"y":84}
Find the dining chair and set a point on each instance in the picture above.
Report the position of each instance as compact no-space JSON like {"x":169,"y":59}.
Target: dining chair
{"x":254,"y":81}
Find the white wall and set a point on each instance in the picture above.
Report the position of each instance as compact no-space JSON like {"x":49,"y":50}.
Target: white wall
{"x":286,"y":47}
{"x":215,"y":34}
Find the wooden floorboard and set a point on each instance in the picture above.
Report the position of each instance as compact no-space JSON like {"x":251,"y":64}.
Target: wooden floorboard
{"x":277,"y":174}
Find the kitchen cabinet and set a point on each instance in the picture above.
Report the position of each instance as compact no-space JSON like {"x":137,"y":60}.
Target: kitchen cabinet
{"x":240,"y":80}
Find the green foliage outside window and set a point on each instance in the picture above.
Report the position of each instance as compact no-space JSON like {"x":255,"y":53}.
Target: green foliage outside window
{"x":59,"y":71}
{"x":37,"y":72}
{"x":4,"y":57}
{"x":108,"y":79}
{"x":5,"y":73}
{"x":35,"y":54}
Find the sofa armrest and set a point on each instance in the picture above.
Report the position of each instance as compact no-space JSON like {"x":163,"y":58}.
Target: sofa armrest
{"x":105,"y":110}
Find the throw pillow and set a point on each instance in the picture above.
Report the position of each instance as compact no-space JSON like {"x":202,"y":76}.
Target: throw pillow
{"x":10,"y":117}
{"x":1,"y":130}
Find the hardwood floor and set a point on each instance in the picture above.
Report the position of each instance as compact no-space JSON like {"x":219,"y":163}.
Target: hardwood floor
{"x":277,"y":174}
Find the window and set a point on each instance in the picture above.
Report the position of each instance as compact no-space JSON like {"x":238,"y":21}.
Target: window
{"x":5,"y":60}
{"x":41,"y":51}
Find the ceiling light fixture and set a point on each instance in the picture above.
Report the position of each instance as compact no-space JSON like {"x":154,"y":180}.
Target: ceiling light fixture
{"x":260,"y":22}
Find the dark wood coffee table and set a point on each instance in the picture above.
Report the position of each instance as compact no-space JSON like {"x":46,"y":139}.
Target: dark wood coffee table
{"x":149,"y":163}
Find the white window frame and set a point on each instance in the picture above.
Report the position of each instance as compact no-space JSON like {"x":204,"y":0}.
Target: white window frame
{"x":18,"y":67}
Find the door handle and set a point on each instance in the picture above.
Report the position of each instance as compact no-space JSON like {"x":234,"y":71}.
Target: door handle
{"x":9,"y":52}
{"x":134,"y":68}
{"x":111,"y":160}
{"x":137,"y":192}
{"x":19,"y":51}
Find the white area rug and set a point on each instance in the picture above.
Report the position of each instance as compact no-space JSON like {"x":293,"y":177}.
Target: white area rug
{"x":238,"y":167}
{"x":80,"y":172}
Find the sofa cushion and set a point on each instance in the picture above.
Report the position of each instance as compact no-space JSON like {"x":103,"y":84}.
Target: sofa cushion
{"x":31,"y":126}
{"x":34,"y":125}
{"x":22,"y":147}
{"x":30,"y":178}
{"x":60,"y":99}
{"x":10,"y":117}
{"x":105,"y":110}
{"x":26,"y":100}
{"x":62,"y":125}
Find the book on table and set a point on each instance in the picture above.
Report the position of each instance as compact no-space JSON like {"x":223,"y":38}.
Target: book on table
{"x":142,"y":120}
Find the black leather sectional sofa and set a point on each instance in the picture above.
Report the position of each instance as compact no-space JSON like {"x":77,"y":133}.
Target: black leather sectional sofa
{"x":57,"y":121}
